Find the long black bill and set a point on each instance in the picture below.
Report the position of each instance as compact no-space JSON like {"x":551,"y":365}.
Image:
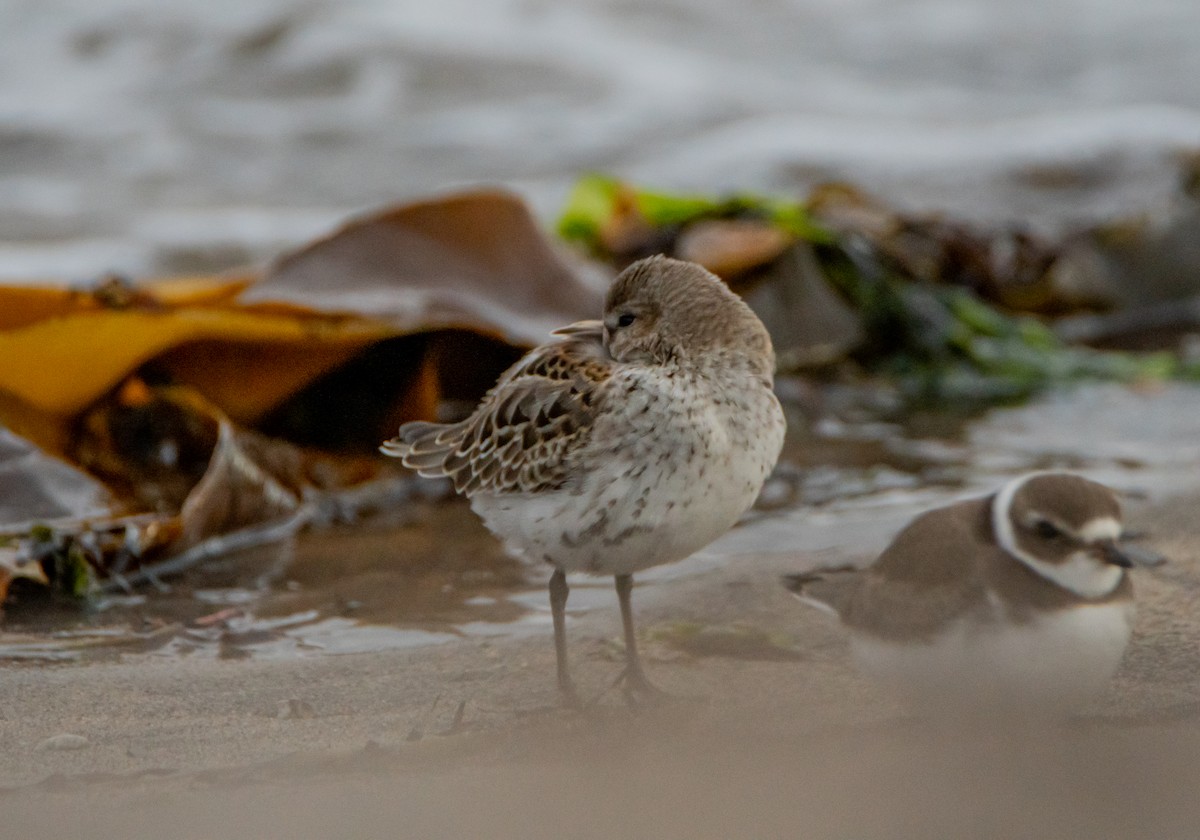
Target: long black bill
{"x":1129,"y":555}
{"x":1140,"y":555}
{"x":1116,"y":555}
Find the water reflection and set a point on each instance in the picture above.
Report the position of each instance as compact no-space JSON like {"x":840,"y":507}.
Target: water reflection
{"x":427,"y":572}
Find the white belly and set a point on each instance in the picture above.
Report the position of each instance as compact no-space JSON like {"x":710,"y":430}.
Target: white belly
{"x":1049,"y":666}
{"x":626,"y":525}
{"x":679,"y":480}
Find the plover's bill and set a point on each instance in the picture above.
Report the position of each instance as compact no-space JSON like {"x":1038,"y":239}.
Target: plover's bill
{"x":1018,"y":602}
{"x":628,"y":443}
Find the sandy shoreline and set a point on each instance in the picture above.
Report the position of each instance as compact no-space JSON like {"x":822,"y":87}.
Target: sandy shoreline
{"x":360,"y":744}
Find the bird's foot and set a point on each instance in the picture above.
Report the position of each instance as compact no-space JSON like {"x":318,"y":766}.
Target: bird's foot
{"x":639,"y":691}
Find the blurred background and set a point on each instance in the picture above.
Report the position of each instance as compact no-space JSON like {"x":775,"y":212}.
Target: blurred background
{"x":149,"y":137}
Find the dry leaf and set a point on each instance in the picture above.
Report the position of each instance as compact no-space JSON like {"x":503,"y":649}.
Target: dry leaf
{"x":402,"y":315}
{"x":421,"y":303}
{"x":475,"y":260}
{"x":234,"y":493}
{"x":730,"y":248}
{"x":70,"y":361}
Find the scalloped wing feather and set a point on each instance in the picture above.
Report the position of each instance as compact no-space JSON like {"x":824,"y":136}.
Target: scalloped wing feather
{"x":520,"y":438}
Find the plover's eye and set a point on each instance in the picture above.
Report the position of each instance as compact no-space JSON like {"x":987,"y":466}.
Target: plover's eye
{"x":625,"y":319}
{"x":1046,"y":530}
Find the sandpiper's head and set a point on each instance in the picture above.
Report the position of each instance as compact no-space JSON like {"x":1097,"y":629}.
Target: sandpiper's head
{"x":1065,"y":528}
{"x":660,"y":308}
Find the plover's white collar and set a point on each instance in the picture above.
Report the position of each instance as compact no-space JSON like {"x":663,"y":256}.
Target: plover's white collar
{"x":1081,"y":573}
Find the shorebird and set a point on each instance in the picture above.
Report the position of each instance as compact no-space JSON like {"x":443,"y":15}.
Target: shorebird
{"x":1017,"y":602}
{"x":623,"y":444}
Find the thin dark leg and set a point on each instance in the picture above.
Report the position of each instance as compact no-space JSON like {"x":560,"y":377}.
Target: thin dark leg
{"x":558,"y":609}
{"x":634,"y":676}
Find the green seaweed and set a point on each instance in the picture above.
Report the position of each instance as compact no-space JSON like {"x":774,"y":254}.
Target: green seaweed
{"x":65,"y":561}
{"x":942,"y":344}
{"x":595,"y":199}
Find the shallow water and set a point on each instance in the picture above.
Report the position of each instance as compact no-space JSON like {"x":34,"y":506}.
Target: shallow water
{"x":146,"y":137}
{"x":427,"y":572}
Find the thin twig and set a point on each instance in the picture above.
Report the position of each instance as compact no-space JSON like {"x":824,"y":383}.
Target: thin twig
{"x":216,"y":547}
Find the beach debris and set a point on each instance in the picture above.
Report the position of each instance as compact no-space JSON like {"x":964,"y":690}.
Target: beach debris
{"x":239,"y":497}
{"x":952,"y":313}
{"x":219,"y":618}
{"x":64,"y":742}
{"x":411,"y":306}
{"x":476,"y":261}
{"x":13,"y":565}
{"x":148,"y":426}
{"x":194,"y":414}
{"x":34,"y":486}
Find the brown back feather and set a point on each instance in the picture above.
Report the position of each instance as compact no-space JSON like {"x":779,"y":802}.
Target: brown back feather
{"x":898,"y":598}
{"x":520,"y":438}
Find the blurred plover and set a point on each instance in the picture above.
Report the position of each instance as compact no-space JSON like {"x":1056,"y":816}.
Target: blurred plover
{"x":1018,"y":602}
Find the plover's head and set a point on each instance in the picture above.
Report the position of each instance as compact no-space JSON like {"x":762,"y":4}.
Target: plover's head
{"x":1065,"y":528}
{"x":660,"y":308}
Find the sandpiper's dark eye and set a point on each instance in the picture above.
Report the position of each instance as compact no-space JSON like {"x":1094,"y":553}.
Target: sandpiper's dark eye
{"x":1046,"y":530}
{"x":626,"y":319}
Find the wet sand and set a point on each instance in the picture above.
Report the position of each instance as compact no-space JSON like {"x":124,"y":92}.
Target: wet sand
{"x":771,"y":737}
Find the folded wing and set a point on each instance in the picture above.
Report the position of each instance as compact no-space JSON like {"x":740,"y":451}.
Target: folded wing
{"x":522,"y":436}
{"x":898,"y":598}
